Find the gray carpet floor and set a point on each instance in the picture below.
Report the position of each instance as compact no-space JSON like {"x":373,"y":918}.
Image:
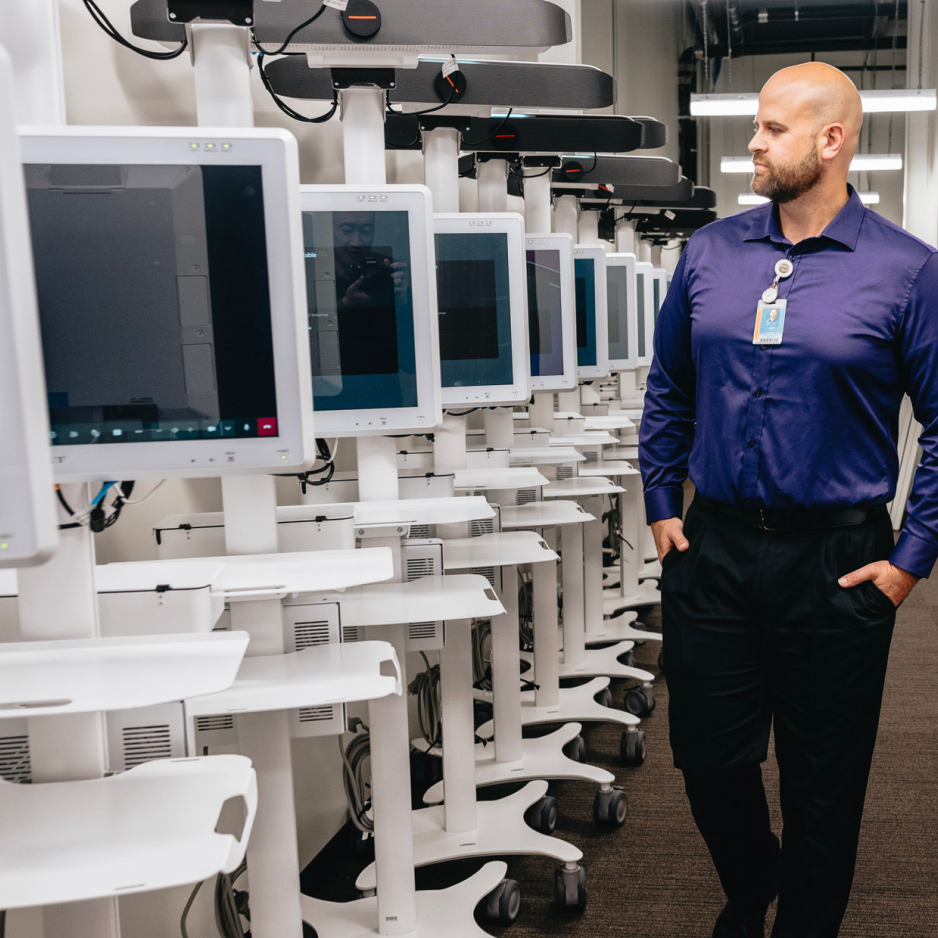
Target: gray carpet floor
{"x":652,"y":878}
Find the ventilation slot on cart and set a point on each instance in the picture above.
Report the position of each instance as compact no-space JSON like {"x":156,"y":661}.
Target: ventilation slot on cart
{"x":419,"y":531}
{"x":591,"y":456}
{"x":418,"y":567}
{"x":14,"y":759}
{"x":478,"y":528}
{"x":351,"y":633}
{"x":316,"y":714}
{"x":526,"y":496}
{"x":308,"y":634}
{"x":487,"y":572}
{"x":146,"y":743}
{"x":221,"y":721}
{"x":564,"y":472}
{"x":418,"y":631}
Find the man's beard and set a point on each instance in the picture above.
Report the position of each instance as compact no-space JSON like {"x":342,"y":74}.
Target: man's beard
{"x":784,"y":183}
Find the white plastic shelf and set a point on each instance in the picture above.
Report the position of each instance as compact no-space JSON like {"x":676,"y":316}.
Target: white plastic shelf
{"x":507,"y":479}
{"x":429,"y":599}
{"x":608,"y":467}
{"x":611,"y":422}
{"x":102,"y":674}
{"x":582,"y":487}
{"x":312,"y":677}
{"x":150,"y":828}
{"x":587,"y":438}
{"x":544,"y":455}
{"x":495,"y":550}
{"x":543,"y":515}
{"x":421,"y":511}
{"x":627,"y":453}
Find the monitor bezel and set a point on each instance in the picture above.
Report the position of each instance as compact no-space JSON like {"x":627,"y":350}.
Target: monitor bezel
{"x":661,"y":275}
{"x":28,"y":525}
{"x":276,"y":152}
{"x":631,"y":288}
{"x":512,"y":225}
{"x":417,"y":202}
{"x":648,"y":269}
{"x":597,"y":254}
{"x":564,"y":243}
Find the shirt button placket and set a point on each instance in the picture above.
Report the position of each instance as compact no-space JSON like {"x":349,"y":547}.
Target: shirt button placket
{"x":754,"y":423}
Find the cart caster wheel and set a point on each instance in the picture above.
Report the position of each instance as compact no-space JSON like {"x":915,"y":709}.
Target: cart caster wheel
{"x":610,"y":808}
{"x":570,"y":888}
{"x":604,"y":698}
{"x":661,"y":661}
{"x":575,"y":749}
{"x":481,"y":712}
{"x":503,"y":903}
{"x":628,"y":659}
{"x":542,"y":815}
{"x":309,"y":931}
{"x":633,"y":747}
{"x":640,"y":701}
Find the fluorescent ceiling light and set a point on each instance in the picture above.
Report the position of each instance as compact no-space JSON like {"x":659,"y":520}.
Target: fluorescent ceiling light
{"x":874,"y":102}
{"x":862,"y":162}
{"x":750,"y":198}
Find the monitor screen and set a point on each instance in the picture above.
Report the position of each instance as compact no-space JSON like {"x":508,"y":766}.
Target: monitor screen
{"x":361,"y":311}
{"x":154,"y":301}
{"x":545,"y":319}
{"x":617,"y":299}
{"x":585,"y":285}
{"x":640,"y":295}
{"x":474,"y":300}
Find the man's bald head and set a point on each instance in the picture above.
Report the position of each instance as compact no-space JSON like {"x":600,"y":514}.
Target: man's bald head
{"x":807,"y":130}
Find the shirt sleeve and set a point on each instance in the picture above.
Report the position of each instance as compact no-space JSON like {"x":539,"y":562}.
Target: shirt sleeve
{"x":670,"y":410}
{"x":917,"y":548}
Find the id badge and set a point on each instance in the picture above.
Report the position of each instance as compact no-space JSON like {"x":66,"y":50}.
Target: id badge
{"x":770,"y":323}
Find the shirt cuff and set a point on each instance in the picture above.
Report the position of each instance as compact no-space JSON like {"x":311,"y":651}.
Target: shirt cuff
{"x":664,"y":502}
{"x":914,"y":555}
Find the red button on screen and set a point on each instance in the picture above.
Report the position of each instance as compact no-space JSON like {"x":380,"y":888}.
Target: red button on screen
{"x":267,"y":426}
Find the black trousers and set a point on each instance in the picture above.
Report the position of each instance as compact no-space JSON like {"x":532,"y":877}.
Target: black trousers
{"x":757,"y":631}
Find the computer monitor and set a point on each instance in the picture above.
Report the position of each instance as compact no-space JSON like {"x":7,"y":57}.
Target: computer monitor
{"x":28,"y":530}
{"x":372,"y":312}
{"x":170,"y":284}
{"x":659,"y":284}
{"x":480,"y":282}
{"x":645,"y":313}
{"x":622,"y":303}
{"x":551,"y":312}
{"x":592,"y":327}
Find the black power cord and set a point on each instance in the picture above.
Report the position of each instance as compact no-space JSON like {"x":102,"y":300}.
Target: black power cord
{"x":289,"y":111}
{"x":98,"y":16}
{"x":416,"y":114}
{"x":469,"y":144}
{"x":290,"y":35}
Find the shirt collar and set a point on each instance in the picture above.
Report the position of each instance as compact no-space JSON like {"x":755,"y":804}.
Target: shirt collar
{"x":844,"y":227}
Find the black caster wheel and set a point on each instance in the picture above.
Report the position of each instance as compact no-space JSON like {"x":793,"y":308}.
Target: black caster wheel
{"x":570,"y":888}
{"x":628,"y":659}
{"x":542,"y":815}
{"x":309,"y":931}
{"x":640,"y":701}
{"x":503,"y":903}
{"x":633,"y":747}
{"x":604,"y":698}
{"x":610,"y":807}
{"x":481,"y":712}
{"x":575,"y":749}
{"x":661,"y":661}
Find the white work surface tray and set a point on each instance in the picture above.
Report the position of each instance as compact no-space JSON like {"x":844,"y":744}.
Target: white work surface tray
{"x":586,"y":438}
{"x":312,"y":677}
{"x":422,"y":511}
{"x":505,"y":479}
{"x":543,"y":515}
{"x":581,"y":487}
{"x":495,"y":550}
{"x":608,"y":467}
{"x":102,"y":674}
{"x":544,"y":455}
{"x":149,"y":828}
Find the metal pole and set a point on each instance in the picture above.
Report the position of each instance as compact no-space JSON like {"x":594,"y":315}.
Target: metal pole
{"x":537,"y":202}
{"x":441,"y":167}
{"x":492,"y":182}
{"x":565,"y":215}
{"x":222,"y":65}
{"x":363,"y":136}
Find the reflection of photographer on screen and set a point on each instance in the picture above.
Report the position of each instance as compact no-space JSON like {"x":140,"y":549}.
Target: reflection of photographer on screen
{"x":365,"y":277}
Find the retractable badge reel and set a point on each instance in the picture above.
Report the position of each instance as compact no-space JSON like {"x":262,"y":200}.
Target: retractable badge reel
{"x":770,"y":313}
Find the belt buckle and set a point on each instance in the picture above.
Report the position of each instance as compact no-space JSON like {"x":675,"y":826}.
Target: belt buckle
{"x":764,"y":524}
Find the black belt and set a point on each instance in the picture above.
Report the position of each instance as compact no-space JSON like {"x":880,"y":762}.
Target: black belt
{"x":767,"y":520}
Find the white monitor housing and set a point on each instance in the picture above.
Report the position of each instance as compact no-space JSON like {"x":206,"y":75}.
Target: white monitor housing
{"x":372,"y":312}
{"x":551,"y":313}
{"x":171,"y":300}
{"x":645,"y":313}
{"x":592,"y":325}
{"x":28,"y":530}
{"x":659,"y":285}
{"x":480,"y":264}
{"x":622,"y":303}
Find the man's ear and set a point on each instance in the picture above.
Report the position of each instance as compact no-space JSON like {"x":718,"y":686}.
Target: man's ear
{"x":833,"y":138}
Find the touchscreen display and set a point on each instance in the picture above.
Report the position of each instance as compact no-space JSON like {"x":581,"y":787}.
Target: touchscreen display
{"x":475,"y":309}
{"x":585,"y":283}
{"x":617,"y":305}
{"x":154,"y":301}
{"x":640,"y":294}
{"x":545,"y":315}
{"x":361,"y":314}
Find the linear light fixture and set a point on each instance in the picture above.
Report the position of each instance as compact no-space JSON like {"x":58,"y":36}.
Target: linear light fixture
{"x":862,"y":162}
{"x":874,"y":102}
{"x":750,"y":198}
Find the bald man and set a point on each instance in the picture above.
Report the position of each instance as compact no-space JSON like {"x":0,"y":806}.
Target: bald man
{"x":782,"y":353}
